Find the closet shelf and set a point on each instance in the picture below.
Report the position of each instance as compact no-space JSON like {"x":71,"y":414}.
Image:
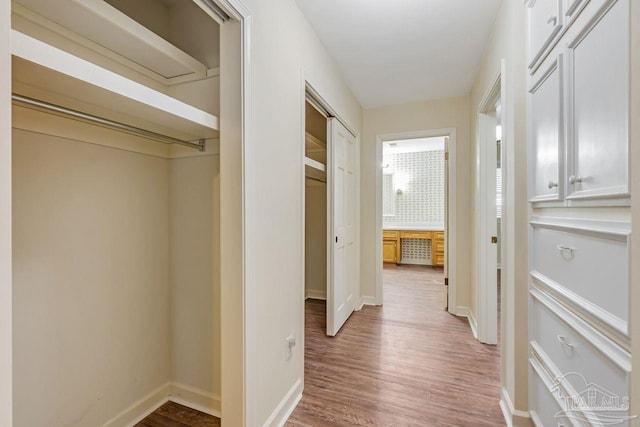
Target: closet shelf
{"x":315,"y":170}
{"x":103,"y":28}
{"x":51,"y":75}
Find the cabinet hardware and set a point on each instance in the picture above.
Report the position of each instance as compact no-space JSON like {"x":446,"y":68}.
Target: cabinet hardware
{"x":553,"y":20}
{"x":563,"y":340}
{"x":566,"y":249}
{"x":573,"y":179}
{"x":552,"y":184}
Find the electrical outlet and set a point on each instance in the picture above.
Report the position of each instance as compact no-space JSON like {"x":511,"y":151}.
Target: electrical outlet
{"x":291,"y":344}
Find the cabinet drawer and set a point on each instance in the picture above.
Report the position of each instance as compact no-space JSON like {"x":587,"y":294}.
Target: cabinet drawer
{"x":438,"y":247}
{"x":543,"y":404}
{"x":415,"y":234}
{"x":591,"y":264}
{"x":545,"y":22}
{"x":390,"y":234}
{"x":438,"y":260}
{"x":580,"y":353}
{"x":438,"y":235}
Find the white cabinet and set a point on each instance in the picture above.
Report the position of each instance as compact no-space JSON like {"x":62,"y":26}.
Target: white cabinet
{"x":545,"y":23}
{"x":599,"y":107}
{"x":546,"y":135}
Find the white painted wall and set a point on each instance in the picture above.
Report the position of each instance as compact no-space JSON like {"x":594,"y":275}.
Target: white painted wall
{"x":91,"y":280}
{"x":195,"y":280}
{"x":507,"y":42}
{"x":284,"y":47}
{"x":5,"y":217}
{"x":429,"y":115}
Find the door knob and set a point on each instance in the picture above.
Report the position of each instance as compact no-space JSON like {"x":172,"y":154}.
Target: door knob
{"x":573,"y":179}
{"x":552,"y":184}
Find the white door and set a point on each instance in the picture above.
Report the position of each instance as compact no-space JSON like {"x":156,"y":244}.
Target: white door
{"x":341,"y":224}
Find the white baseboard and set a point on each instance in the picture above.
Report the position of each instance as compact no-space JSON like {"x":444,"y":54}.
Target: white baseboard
{"x":473,"y":323}
{"x":282,"y":412}
{"x":367,"y":301}
{"x":462,"y":311}
{"x":314,"y":294}
{"x":140,"y":409}
{"x":512,"y":416}
{"x":195,"y":398}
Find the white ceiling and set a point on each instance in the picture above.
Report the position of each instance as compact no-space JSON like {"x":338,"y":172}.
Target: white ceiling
{"x":396,"y":51}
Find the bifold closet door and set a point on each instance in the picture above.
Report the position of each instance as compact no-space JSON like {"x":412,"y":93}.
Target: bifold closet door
{"x":342,"y":265}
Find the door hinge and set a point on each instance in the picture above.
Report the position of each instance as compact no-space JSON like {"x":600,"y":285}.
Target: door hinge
{"x":494,"y":239}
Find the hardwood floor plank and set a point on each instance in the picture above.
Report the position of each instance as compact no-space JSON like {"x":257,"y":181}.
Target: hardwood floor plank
{"x":408,"y":363}
{"x":172,"y":414}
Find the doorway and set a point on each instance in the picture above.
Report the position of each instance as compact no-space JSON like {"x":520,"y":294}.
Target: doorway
{"x":488,"y":215}
{"x":330,"y":214}
{"x":414,"y":224}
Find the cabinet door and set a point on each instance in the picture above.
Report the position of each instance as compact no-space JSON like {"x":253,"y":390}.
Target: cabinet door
{"x":389,"y":251}
{"x":546,"y":135}
{"x":545,"y":23}
{"x":599,"y":106}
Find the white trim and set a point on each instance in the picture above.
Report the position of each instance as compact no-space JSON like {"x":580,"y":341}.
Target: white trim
{"x":141,"y":408}
{"x":450,"y":263}
{"x":368,"y":300}
{"x":315,"y":294}
{"x":195,"y":398}
{"x":511,"y":415}
{"x":485,"y":219}
{"x":286,"y":406}
{"x":473,"y":323}
{"x":461,"y":311}
{"x":611,"y":230}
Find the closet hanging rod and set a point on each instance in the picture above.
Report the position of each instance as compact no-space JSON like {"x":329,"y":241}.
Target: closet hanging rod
{"x":200,"y":145}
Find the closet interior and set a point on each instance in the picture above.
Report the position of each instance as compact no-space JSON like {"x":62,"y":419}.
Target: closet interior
{"x":315,"y":203}
{"x":115,"y":209}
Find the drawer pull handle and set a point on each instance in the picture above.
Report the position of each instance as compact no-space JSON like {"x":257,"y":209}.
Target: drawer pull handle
{"x":562,"y":248}
{"x":563,"y":340}
{"x":552,"y":184}
{"x":553,"y":20}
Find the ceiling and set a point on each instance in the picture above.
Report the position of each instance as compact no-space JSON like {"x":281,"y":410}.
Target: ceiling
{"x":413,"y":145}
{"x":396,"y":51}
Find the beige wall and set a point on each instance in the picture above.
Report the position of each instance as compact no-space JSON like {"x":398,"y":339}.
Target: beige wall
{"x":91,"y":280}
{"x":284,"y":47}
{"x":430,"y":115}
{"x":507,"y":42}
{"x":195,"y":280}
{"x":5,"y":217}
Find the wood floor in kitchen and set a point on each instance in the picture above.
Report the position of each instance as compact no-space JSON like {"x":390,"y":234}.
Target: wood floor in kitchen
{"x":407,"y":363}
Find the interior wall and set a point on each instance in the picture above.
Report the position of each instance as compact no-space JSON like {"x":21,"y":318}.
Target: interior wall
{"x":284,"y":52}
{"x":195,"y":280}
{"x":508,"y":42}
{"x":5,"y":217}
{"x":315,"y":273}
{"x":91,"y":280}
{"x":429,"y":115}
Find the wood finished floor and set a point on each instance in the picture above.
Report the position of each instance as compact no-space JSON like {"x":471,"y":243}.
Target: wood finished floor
{"x":408,"y":363}
{"x":172,"y":414}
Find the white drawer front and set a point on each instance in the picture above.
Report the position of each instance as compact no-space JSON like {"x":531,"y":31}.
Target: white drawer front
{"x":545,"y":22}
{"x":579,"y":360}
{"x":545,"y":410}
{"x":594,"y":268}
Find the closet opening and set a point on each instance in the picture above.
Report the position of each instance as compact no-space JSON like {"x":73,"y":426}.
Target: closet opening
{"x":116,"y":206}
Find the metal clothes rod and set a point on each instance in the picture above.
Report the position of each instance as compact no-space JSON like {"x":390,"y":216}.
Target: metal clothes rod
{"x":200,"y":145}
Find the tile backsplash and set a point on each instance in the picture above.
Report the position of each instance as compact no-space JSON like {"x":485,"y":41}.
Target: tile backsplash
{"x":420,"y":176}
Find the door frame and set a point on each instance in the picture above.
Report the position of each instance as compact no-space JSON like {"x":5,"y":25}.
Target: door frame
{"x":450,"y":232}
{"x":486,"y":319}
{"x":309,"y":93}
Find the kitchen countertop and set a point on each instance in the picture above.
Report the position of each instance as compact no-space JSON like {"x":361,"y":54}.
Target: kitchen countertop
{"x":418,"y":226}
